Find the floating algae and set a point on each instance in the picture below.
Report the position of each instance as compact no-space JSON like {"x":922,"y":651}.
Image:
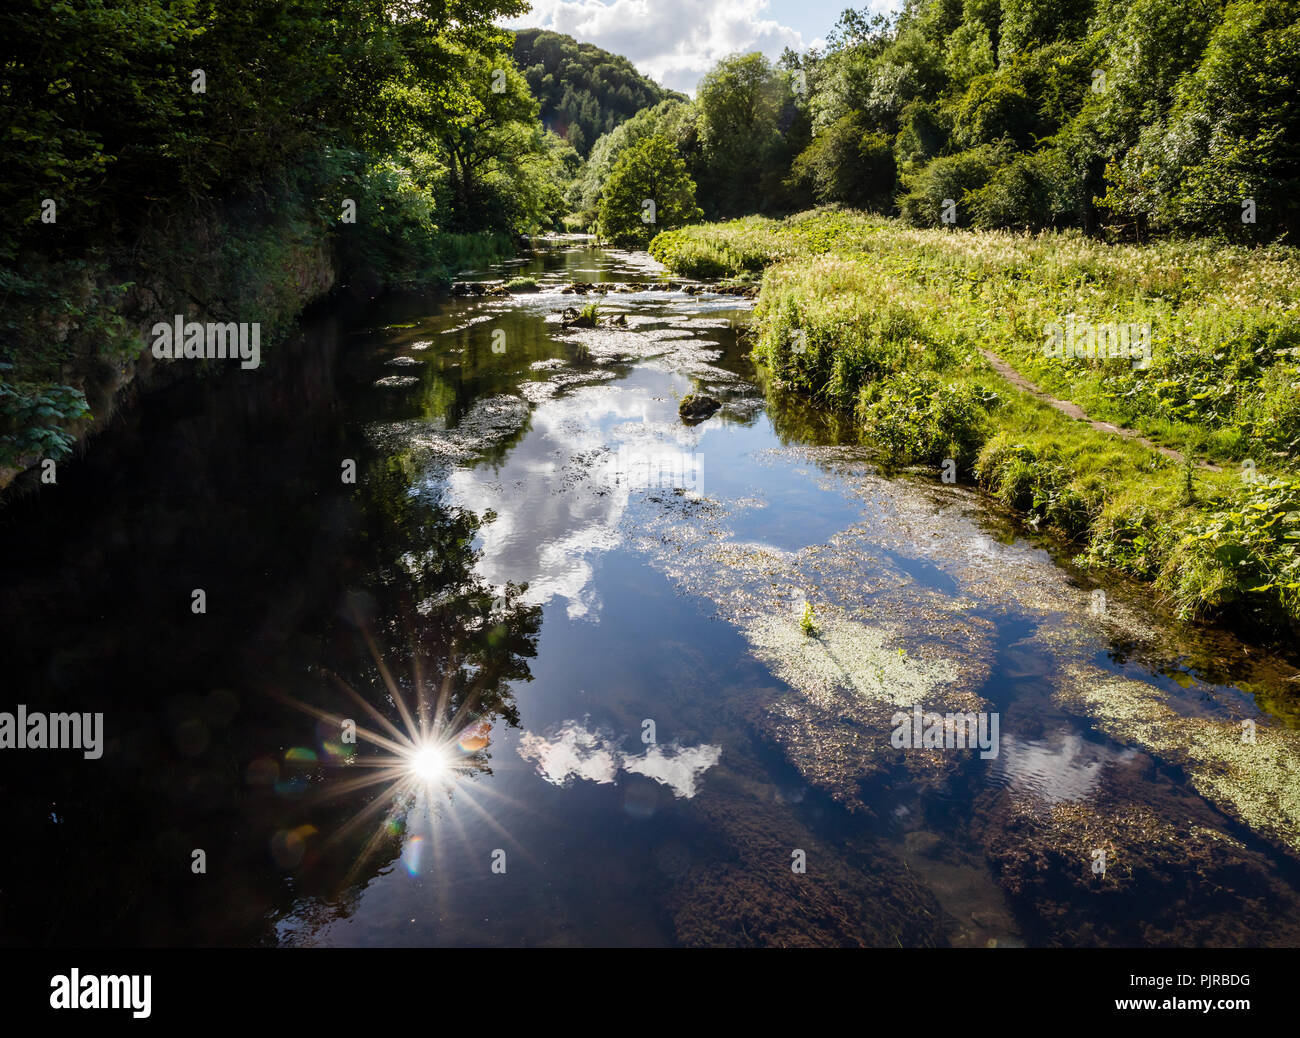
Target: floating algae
{"x":845,"y":657}
{"x":846,"y":684}
{"x":1250,"y":770}
{"x":1122,"y":868}
{"x":490,"y":422}
{"x":737,"y":888}
{"x":537,"y":392}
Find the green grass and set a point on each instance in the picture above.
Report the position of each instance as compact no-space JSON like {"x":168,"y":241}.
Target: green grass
{"x":751,"y":244}
{"x":1224,"y":322}
{"x":885,"y":323}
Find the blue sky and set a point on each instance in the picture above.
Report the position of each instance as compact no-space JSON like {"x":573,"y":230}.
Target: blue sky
{"x":676,"y":41}
{"x":813,"y":18}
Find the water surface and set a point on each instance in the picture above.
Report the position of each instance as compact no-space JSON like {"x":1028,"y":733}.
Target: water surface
{"x":592,"y":608}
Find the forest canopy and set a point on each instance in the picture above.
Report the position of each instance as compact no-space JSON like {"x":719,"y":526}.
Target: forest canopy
{"x":584,"y":92}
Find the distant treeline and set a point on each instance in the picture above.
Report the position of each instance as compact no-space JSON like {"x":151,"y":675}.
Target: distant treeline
{"x":584,"y":91}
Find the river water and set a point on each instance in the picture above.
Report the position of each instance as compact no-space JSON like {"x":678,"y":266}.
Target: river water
{"x":565,"y":626}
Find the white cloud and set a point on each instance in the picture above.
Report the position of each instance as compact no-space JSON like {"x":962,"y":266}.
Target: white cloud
{"x":572,"y":752}
{"x":673,"y":42}
{"x":1061,"y":768}
{"x":549,"y":539}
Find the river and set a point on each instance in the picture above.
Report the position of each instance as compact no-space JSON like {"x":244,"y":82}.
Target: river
{"x":585,"y":614}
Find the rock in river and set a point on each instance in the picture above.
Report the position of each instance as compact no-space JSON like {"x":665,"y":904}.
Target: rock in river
{"x":696,"y":407}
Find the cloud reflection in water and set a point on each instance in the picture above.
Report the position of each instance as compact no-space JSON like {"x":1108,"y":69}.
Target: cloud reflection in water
{"x":574,"y":751}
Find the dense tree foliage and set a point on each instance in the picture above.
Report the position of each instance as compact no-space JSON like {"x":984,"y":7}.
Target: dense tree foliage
{"x":584,"y":91}
{"x":1129,"y":117}
{"x":648,"y":191}
{"x":749,"y":132}
{"x":112,"y":107}
{"x":193,"y":151}
{"x":1136,"y":116}
{"x":737,"y":139}
{"x":672,"y":119}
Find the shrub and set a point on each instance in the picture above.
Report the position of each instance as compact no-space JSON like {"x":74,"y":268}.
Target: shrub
{"x":848,"y":164}
{"x":916,"y":418}
{"x":951,"y":177}
{"x":1032,"y":191}
{"x":648,"y":172}
{"x":1248,"y":547}
{"x":34,"y":419}
{"x":1036,"y":481}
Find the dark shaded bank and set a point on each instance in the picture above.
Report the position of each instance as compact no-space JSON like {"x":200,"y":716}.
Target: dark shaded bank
{"x":78,"y":334}
{"x":175,"y":499}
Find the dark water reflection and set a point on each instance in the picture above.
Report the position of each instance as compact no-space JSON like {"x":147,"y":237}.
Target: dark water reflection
{"x":487,"y":573}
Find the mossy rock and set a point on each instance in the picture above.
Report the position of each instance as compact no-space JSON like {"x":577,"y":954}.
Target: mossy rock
{"x":575,"y":318}
{"x":696,"y":407}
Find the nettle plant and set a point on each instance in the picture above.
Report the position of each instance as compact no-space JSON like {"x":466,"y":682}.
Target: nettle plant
{"x":1245,"y":547}
{"x":917,"y":417}
{"x":34,"y":418}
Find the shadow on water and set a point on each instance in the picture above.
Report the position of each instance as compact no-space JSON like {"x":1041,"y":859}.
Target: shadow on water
{"x":234,"y":488}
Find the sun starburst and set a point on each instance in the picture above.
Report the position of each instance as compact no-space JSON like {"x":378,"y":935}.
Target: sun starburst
{"x":414,"y":763}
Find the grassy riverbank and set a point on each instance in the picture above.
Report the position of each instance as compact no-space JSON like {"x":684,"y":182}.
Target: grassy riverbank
{"x":890,"y":324}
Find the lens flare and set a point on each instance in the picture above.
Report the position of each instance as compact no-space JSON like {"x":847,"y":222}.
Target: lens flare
{"x":424,"y":756}
{"x":475,"y":737}
{"x":428,"y":763}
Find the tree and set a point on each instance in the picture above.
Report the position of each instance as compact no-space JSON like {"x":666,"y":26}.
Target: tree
{"x":740,"y":103}
{"x":847,"y":163}
{"x":649,"y":191}
{"x":487,"y":126}
{"x":583,"y":90}
{"x":673,"y":119}
{"x":1229,"y":136}
{"x":99,"y":102}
